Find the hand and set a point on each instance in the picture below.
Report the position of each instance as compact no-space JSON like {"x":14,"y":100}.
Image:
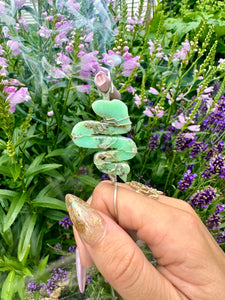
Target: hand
{"x":190,"y":263}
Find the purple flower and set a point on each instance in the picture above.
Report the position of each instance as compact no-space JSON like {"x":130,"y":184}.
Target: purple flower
{"x":65,"y":222}
{"x":221,"y":237}
{"x":33,"y":287}
{"x":72,"y":249}
{"x":187,"y":181}
{"x":58,"y":247}
{"x":201,"y":199}
{"x":153,"y":142}
{"x":183,"y":142}
{"x":88,"y":279}
{"x":129,"y":65}
{"x":197,"y":147}
{"x":17,"y":97}
{"x":73,"y":6}
{"x":14,"y":46}
{"x":44,"y":32}
{"x":213,"y":222}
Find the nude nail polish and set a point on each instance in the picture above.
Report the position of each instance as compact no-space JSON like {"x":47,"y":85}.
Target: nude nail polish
{"x":87,"y":221}
{"x":81,"y":273}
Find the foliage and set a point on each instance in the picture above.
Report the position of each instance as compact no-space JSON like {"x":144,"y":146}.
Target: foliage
{"x":172,"y":80}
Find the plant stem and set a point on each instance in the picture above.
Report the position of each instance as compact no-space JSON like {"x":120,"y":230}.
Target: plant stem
{"x":171,"y":167}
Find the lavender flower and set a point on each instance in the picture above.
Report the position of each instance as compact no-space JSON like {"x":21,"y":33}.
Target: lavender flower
{"x":153,"y":142}
{"x":183,"y":142}
{"x":58,"y":247}
{"x":129,"y":64}
{"x":213,"y":222}
{"x":33,"y":287}
{"x":65,"y":222}
{"x":72,"y":249}
{"x":197,"y":148}
{"x":221,"y":237}
{"x":187,"y":181}
{"x":88,"y":279}
{"x":201,"y":199}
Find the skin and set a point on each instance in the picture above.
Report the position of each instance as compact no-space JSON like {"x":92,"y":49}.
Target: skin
{"x":191,"y":265}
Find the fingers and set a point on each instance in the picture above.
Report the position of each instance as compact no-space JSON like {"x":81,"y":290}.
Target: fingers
{"x":125,"y":267}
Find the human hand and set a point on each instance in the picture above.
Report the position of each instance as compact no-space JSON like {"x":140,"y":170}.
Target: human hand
{"x":190,"y":263}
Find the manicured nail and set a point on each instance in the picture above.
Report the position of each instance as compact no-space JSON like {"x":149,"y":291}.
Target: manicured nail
{"x":87,"y":221}
{"x":81,"y":273}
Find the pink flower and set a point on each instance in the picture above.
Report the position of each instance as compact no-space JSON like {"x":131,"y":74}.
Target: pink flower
{"x":179,"y":124}
{"x":137,"y":100}
{"x":148,"y":112}
{"x":194,"y":127}
{"x":88,"y":64}
{"x":50,"y":113}
{"x":84,"y":88}
{"x":44,"y":32}
{"x":129,"y":65}
{"x":130,"y":89}
{"x":62,"y":59}
{"x":102,"y":82}
{"x":1,"y":50}
{"x":3,"y":66}
{"x":153,"y":91}
{"x":61,"y":38}
{"x":17,"y":97}
{"x":89,"y":38}
{"x":23,"y":21}
{"x":14,"y":46}
{"x":3,"y":10}
{"x":19,"y":3}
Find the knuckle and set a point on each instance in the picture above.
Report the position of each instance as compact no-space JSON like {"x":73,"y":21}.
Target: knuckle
{"x":126,"y":266}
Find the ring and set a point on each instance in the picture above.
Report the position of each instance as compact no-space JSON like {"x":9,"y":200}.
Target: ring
{"x":145,"y":190}
{"x":115,"y":198}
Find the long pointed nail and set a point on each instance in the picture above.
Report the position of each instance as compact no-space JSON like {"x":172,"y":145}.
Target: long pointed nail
{"x":81,"y":273}
{"x":87,"y":221}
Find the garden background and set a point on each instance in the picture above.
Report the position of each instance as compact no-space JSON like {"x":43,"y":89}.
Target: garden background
{"x":169,"y":68}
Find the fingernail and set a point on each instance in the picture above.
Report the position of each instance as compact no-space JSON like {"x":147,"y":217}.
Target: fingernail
{"x":81,"y":273}
{"x":87,"y":221}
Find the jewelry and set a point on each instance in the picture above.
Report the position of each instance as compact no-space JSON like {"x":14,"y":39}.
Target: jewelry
{"x":145,"y":190}
{"x":115,"y":198}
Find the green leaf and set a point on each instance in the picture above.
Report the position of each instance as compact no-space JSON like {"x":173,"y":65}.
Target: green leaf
{"x":8,"y":286}
{"x":25,"y":236}
{"x":15,"y":171}
{"x":20,"y":286}
{"x":7,"y":235}
{"x":8,"y":194}
{"x":88,"y":180}
{"x":41,"y":169}
{"x":61,"y":152}
{"x":5,"y":171}
{"x":49,"y":202}
{"x":43,"y":263}
{"x":14,"y":210}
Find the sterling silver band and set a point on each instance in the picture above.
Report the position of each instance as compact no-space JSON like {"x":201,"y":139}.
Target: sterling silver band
{"x":115,"y":198}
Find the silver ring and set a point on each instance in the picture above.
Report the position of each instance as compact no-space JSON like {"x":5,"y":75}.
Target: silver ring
{"x":115,"y":198}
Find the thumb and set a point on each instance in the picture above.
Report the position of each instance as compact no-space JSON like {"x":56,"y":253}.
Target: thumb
{"x":116,"y":255}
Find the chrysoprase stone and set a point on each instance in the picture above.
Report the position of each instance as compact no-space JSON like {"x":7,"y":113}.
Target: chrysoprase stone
{"x":106,"y":134}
